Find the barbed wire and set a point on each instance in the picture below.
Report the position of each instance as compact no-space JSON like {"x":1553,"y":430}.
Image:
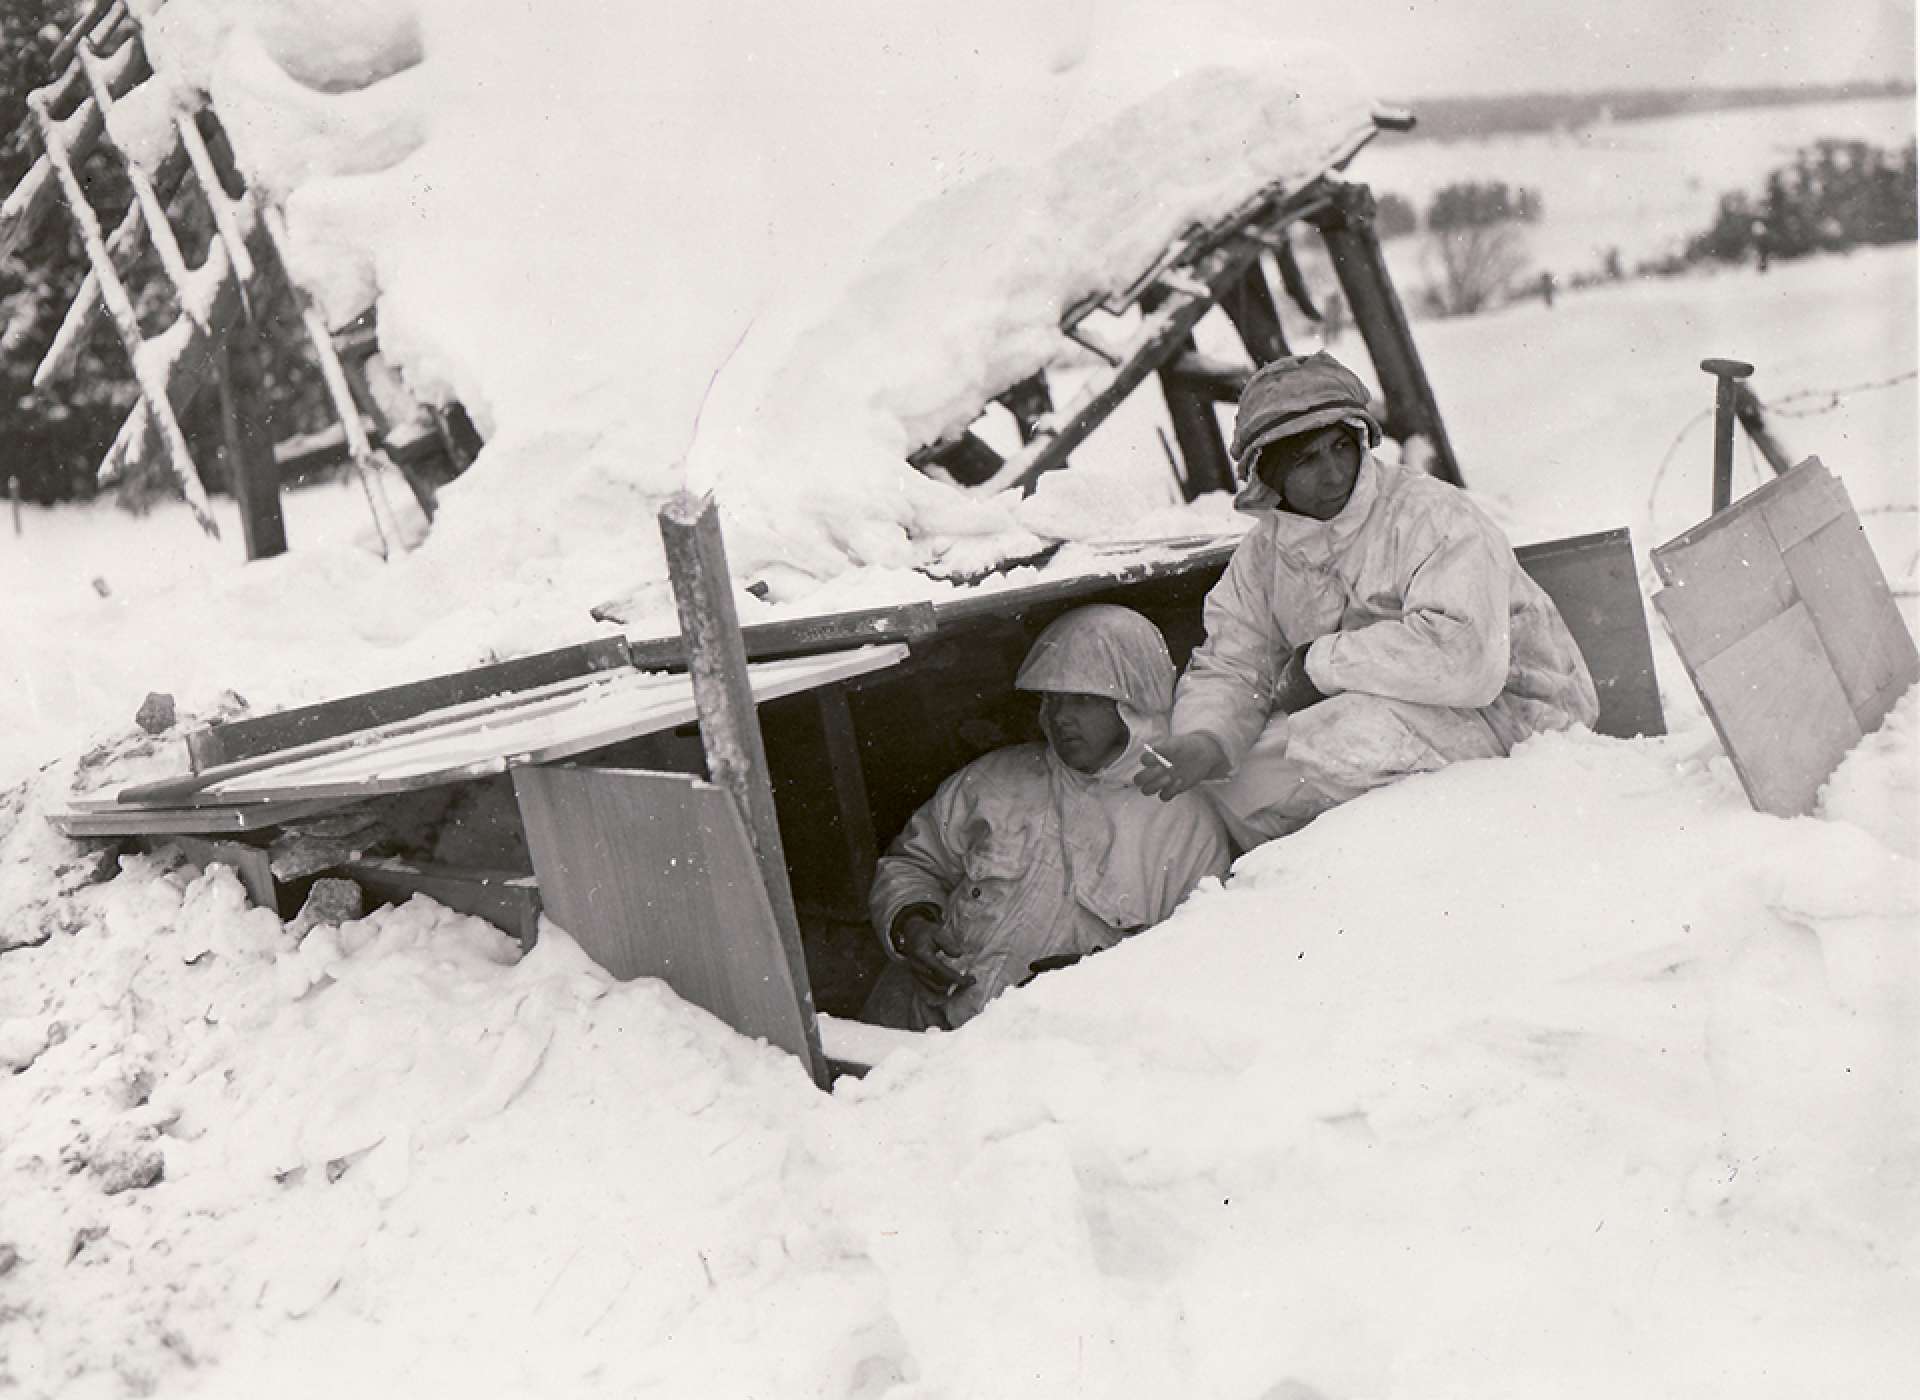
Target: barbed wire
{"x":1834,"y":398}
{"x":1831,"y":399}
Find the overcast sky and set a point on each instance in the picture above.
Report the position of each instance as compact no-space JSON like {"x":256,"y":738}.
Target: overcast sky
{"x":1436,"y":47}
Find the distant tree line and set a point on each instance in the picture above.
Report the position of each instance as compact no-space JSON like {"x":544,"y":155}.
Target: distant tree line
{"x":1834,"y":195}
{"x":1459,"y":118}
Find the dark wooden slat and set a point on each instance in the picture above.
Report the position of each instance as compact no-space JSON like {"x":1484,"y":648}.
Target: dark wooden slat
{"x":1218,"y":380}
{"x":800,"y":636}
{"x":252,"y":473}
{"x":1028,"y":401}
{"x":508,"y":901}
{"x":138,"y":821}
{"x":1248,"y":302}
{"x":1171,"y":333}
{"x":1203,"y":448}
{"x":966,"y":459}
{"x":251,"y":863}
{"x":1594,"y":583}
{"x":1753,"y":418}
{"x":851,"y":803}
{"x":222,"y":744}
{"x":653,"y":875}
{"x":729,"y":720}
{"x":1347,"y":227}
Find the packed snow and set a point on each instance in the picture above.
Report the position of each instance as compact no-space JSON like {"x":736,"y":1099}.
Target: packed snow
{"x":1563,"y":1074}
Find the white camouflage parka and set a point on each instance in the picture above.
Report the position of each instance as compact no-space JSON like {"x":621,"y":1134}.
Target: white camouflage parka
{"x":1027,"y":858}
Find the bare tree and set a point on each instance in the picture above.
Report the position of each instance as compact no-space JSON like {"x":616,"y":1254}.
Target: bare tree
{"x":1469,"y":266}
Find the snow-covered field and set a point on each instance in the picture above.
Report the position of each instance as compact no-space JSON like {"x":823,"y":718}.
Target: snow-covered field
{"x":1561,"y":1075}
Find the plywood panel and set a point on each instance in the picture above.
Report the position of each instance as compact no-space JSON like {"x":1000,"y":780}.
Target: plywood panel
{"x":1724,"y":580}
{"x":1781,"y":714}
{"x":1594,"y":583}
{"x":1860,"y":626}
{"x":1805,"y":500}
{"x":653,"y":875}
{"x":483,"y":738}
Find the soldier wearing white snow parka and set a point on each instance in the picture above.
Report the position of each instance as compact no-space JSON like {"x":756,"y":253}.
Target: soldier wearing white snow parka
{"x":1036,"y":854}
{"x":1373,"y":624}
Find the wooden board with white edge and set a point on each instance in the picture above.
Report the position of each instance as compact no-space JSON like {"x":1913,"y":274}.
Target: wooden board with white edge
{"x":477,"y":740}
{"x":1785,"y":623}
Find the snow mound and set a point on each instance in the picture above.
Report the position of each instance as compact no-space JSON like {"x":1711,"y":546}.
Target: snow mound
{"x":1549,"y":1110}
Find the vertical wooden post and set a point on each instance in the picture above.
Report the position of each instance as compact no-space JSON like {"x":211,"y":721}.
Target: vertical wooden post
{"x":1249,"y":304}
{"x":1203,"y":449}
{"x":729,"y":720}
{"x":851,"y":802}
{"x":1727,"y":375}
{"x":252,"y":472}
{"x":1347,"y":226}
{"x":13,"y":495}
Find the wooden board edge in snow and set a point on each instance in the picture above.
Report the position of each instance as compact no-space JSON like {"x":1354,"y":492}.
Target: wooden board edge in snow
{"x":211,"y":819}
{"x":225,"y":743}
{"x":354,"y":772}
{"x":1595,"y":585}
{"x":507,"y":900}
{"x":653,"y":875}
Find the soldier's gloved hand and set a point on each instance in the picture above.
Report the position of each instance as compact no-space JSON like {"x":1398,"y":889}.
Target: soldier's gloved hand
{"x":926,"y":945}
{"x":1295,"y":690}
{"x":1183,"y":762}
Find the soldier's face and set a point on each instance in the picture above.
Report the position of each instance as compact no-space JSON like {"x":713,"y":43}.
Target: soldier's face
{"x":1314,"y":473}
{"x":1085,"y":730}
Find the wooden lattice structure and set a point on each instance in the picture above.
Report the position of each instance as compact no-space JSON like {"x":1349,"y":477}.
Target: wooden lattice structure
{"x":183,"y":328}
{"x":1224,"y":265}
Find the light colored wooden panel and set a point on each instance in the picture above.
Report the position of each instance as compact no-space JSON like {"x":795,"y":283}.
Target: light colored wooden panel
{"x":653,"y":875}
{"x":587,"y":714}
{"x":1723,"y":581}
{"x":1779,"y":710}
{"x":1860,"y":626}
{"x":1804,"y":500}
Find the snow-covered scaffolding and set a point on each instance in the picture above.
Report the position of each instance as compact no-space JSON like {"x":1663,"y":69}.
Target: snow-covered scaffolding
{"x":105,"y":96}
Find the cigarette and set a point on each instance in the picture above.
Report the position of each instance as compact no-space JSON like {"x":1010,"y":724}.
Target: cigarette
{"x":1154,"y":756}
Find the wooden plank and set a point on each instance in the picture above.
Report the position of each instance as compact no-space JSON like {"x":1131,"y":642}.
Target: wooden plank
{"x":851,"y":803}
{"x":1722,"y":583}
{"x":1347,"y":228}
{"x":799,"y":636}
{"x":183,"y":788}
{"x":1779,"y":710}
{"x":1164,"y":334}
{"x":1249,"y":304}
{"x":1865,"y":638}
{"x":1196,"y":428}
{"x":607,"y":711}
{"x":1595,"y":585}
{"x":507,"y":900}
{"x":654,"y":876}
{"x":247,"y":738}
{"x":251,"y":863}
{"x":1806,"y":499}
{"x":252,"y":473}
{"x":138,"y":821}
{"x":729,"y":721}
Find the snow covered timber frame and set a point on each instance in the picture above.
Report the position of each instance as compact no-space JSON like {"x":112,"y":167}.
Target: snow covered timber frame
{"x":1220,"y":264}
{"x":99,"y":70}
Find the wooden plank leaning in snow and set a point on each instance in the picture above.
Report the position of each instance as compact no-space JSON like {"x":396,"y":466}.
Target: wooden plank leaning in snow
{"x":1789,"y":631}
{"x":653,"y":875}
{"x":463,"y":742}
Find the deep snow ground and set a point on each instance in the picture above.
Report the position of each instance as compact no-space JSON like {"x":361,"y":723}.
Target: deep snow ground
{"x":1566,"y":1074}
